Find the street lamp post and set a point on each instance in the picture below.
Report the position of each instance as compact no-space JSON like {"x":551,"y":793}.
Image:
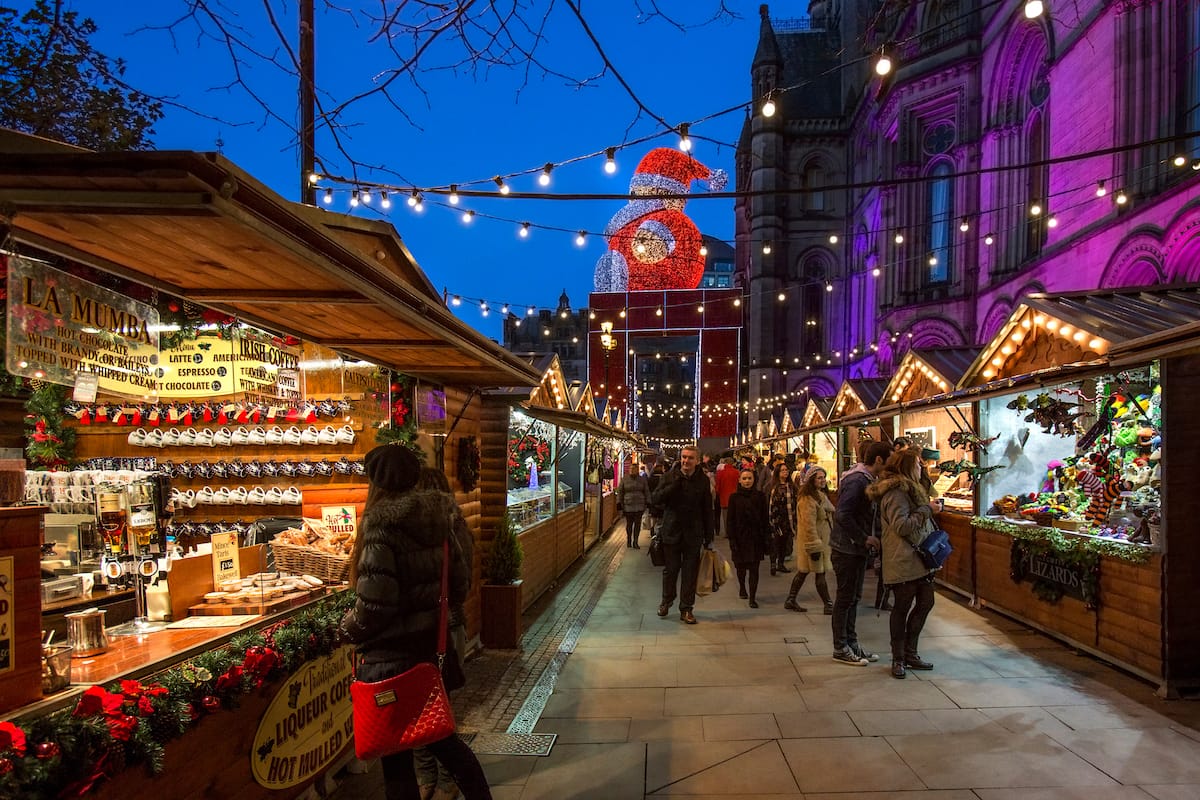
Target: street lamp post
{"x":608,"y":343}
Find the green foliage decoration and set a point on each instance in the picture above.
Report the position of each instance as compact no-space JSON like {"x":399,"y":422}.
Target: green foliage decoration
{"x":505,"y":555}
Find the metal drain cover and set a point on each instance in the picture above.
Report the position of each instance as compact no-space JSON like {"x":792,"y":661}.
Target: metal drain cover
{"x":511,"y":744}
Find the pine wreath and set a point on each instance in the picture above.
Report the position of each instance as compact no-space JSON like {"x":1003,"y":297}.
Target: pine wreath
{"x":521,"y":449}
{"x":469,"y":463}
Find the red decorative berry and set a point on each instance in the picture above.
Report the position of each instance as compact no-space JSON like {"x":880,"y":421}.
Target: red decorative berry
{"x":6,"y":766}
{"x":173,"y":307}
{"x":211,"y":703}
{"x":46,"y":750}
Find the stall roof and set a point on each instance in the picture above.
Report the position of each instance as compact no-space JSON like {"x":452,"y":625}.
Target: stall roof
{"x":941,"y":368}
{"x":197,"y":226}
{"x":866,"y":391}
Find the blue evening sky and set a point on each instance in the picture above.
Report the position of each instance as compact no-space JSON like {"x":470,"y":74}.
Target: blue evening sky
{"x":463,"y":127}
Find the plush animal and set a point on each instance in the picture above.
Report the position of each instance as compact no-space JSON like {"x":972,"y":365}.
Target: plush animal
{"x":1137,"y":476}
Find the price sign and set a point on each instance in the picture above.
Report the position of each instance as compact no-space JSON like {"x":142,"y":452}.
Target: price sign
{"x":225,"y":557}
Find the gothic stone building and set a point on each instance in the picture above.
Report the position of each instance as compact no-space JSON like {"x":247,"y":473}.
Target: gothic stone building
{"x":560,"y":331}
{"x":900,"y":209}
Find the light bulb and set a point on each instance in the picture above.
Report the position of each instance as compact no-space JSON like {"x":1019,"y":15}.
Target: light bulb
{"x":530,"y":311}
{"x":453,"y":194}
{"x":544,"y":178}
{"x":328,"y":196}
{"x":420,"y":206}
{"x":1121,"y":197}
{"x":875,"y":272}
{"x":833,"y":238}
{"x":768,"y":109}
{"x":899,"y":238}
{"x":384,"y":200}
{"x":658,"y":311}
{"x":933,"y":261}
{"x":1035,"y":209}
{"x":314,"y":177}
{"x":828,"y":286}
{"x":366,"y":196}
{"x":610,"y":160}
{"x":501,"y":185}
{"x":737,"y":301}
{"x":883,"y":64}
{"x":412,"y":199}
{"x":703,"y":250}
{"x":581,"y":238}
{"x":468,"y":215}
{"x":964,"y":226}
{"x":1052,"y":222}
{"x":1033,"y":9}
{"x":989,"y":239}
{"x":504,"y":309}
{"x":781,"y":297}
{"x":1179,"y":160}
{"x":457,"y":301}
{"x":524,"y":232}
{"x":685,"y":143}
{"x":766,"y":248}
{"x":1100,"y":190}
{"x":354,"y":198}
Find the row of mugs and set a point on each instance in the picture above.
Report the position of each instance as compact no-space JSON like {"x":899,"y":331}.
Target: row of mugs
{"x":235,"y":437}
{"x":45,"y":495}
{"x":202,"y":529}
{"x":262,"y":469}
{"x":83,"y":477}
{"x":239,"y":495}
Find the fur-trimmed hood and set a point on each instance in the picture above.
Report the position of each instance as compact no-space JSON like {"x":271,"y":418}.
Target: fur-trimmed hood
{"x":888,"y":483}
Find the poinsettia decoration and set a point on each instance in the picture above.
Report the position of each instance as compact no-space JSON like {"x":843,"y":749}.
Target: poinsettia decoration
{"x":49,"y":443}
{"x":67,"y":753}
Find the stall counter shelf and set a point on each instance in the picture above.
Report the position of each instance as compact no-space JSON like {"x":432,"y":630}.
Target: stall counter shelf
{"x":213,"y":758}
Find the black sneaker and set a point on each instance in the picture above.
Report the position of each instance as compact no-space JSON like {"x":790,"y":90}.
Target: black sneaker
{"x":664,"y":609}
{"x":864,"y":654}
{"x":848,"y":656}
{"x":792,"y":605}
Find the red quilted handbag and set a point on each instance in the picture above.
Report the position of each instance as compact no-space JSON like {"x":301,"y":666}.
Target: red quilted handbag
{"x":406,"y":710}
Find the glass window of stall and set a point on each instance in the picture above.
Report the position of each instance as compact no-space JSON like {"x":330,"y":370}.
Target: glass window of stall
{"x":1082,"y":456}
{"x":530,"y":468}
{"x":568,"y":472}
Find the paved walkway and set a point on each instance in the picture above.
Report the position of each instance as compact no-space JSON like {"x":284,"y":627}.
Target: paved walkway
{"x":748,"y":705}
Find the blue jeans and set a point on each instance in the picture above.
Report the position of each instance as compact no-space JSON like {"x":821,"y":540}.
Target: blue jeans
{"x":851,"y":571}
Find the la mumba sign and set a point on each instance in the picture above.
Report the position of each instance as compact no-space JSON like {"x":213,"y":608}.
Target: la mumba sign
{"x":308,"y":723}
{"x":60,"y":326}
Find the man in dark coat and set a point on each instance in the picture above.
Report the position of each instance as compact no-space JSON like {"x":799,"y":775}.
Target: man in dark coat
{"x":687,"y":525}
{"x":854,"y":538}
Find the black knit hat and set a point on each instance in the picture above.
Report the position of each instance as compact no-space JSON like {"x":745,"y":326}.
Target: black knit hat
{"x":393,"y":467}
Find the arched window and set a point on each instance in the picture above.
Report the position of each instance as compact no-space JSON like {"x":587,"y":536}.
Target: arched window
{"x":1191,"y":78}
{"x":814,"y":182}
{"x":941,"y":219}
{"x":1038,"y":186}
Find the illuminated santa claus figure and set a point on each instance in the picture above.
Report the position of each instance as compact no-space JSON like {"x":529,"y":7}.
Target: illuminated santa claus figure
{"x":652,"y":244}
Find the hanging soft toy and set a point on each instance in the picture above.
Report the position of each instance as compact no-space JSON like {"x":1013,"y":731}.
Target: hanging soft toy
{"x":1052,"y":481}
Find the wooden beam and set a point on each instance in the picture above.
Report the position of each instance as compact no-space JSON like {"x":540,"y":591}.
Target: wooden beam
{"x":100,"y":201}
{"x":399,"y":344}
{"x":274,"y":297}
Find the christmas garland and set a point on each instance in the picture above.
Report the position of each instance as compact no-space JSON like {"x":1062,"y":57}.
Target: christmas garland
{"x":1086,"y":562}
{"x":49,"y":445}
{"x":1063,"y":543}
{"x":469,"y":463}
{"x":400,"y":427}
{"x":67,"y":753}
{"x":522,"y":448}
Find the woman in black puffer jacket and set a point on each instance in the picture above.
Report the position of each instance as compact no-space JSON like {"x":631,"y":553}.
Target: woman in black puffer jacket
{"x":396,"y":570}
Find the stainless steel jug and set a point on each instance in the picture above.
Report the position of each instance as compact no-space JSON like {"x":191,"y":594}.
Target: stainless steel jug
{"x":85,"y":633}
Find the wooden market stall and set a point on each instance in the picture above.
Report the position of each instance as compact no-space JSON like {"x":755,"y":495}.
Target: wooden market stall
{"x":193,"y":226}
{"x":857,"y":397}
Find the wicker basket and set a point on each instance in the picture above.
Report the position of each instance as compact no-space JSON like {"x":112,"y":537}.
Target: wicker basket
{"x":301,"y":560}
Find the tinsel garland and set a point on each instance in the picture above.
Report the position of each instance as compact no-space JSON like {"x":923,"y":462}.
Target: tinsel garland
{"x":66,"y":753}
{"x":1064,"y":543}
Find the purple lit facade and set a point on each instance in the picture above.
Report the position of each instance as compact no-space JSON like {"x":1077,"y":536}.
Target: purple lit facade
{"x":951,"y":139}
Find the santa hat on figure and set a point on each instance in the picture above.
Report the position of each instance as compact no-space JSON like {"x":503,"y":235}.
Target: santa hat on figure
{"x":672,"y":172}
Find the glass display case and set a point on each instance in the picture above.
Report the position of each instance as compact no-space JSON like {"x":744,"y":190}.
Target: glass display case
{"x":568,"y":472}
{"x":1080,"y":456}
{"x":531,"y":456}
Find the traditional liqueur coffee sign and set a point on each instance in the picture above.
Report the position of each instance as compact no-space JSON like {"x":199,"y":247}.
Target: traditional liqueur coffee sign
{"x":307,"y":724}
{"x":60,"y":326}
{"x":212,"y":365}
